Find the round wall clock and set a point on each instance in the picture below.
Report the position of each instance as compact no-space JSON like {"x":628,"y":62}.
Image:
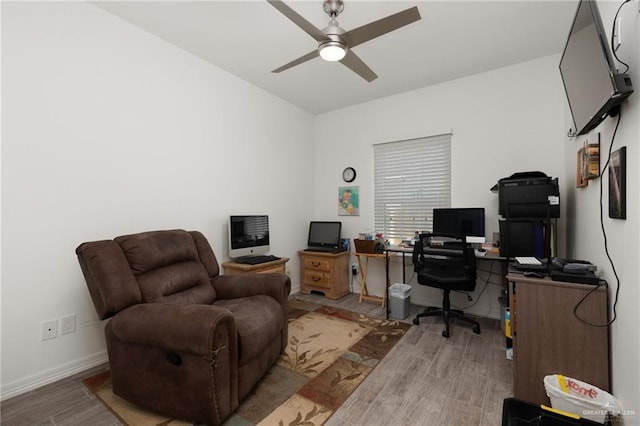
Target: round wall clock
{"x":349,"y":174}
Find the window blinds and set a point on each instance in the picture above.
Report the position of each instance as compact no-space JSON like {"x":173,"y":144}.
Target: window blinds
{"x":412,"y":177}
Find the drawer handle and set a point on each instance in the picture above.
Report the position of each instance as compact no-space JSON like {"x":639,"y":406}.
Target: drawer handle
{"x":316,"y":264}
{"x":316,"y":279}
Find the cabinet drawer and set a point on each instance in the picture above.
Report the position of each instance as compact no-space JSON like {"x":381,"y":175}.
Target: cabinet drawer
{"x":317,"y":279}
{"x":317,"y":263}
{"x":273,"y":270}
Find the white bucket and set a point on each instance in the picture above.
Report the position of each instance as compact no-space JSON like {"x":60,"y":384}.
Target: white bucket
{"x":580,"y":398}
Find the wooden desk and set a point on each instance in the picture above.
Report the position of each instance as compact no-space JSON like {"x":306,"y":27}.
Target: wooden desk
{"x":549,"y":339}
{"x":364,"y":292}
{"x":275,"y":266}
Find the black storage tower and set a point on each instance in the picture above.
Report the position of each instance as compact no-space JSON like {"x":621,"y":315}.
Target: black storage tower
{"x":527,"y":202}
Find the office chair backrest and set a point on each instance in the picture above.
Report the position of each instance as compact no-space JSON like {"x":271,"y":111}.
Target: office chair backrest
{"x":451,"y":266}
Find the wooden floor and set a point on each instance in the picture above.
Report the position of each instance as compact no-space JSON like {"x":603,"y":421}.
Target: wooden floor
{"x":425,"y":380}
{"x":65,"y":402}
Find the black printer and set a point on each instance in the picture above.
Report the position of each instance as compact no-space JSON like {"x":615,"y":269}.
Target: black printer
{"x":530,"y":195}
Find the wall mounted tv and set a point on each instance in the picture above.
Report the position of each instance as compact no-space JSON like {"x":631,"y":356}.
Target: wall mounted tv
{"x":248,"y":235}
{"x":593,"y":86}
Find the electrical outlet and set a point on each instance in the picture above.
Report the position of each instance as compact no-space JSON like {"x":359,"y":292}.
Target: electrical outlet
{"x":49,"y":330}
{"x":68,"y":324}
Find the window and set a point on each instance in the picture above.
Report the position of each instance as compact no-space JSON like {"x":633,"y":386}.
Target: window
{"x":412,"y":177}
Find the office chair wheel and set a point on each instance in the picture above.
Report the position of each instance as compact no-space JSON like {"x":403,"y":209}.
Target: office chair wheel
{"x":416,"y":321}
{"x":476,"y":329}
{"x":445,"y":333}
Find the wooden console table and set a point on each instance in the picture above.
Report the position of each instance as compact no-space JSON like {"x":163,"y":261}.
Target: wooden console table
{"x":277,"y":266}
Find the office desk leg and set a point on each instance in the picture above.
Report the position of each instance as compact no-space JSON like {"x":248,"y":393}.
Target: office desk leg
{"x":386,"y":268}
{"x":404,"y":274}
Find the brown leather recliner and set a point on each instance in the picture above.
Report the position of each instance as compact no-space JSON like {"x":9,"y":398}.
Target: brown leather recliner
{"x":184,"y":341}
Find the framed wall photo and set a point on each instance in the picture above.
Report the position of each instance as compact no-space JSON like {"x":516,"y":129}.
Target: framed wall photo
{"x":591,"y":159}
{"x":348,"y":201}
{"x":618,"y":184}
{"x":581,"y":182}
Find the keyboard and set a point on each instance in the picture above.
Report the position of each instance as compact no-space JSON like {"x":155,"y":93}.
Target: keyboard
{"x":256,"y":260}
{"x":324,"y":249}
{"x":528,"y":261}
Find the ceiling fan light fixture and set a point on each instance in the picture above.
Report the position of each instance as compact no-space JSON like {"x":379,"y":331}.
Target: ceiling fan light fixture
{"x":332,"y":51}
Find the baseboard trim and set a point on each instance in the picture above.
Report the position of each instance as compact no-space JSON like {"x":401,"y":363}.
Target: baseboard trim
{"x":49,"y":376}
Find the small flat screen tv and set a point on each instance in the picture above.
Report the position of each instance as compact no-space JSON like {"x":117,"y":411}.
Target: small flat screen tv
{"x":248,"y":236}
{"x":324,"y":235}
{"x":592,"y":84}
{"x":467,"y":222}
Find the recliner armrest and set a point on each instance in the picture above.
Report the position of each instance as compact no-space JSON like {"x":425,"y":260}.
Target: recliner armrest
{"x":277,"y":286}
{"x":176,"y":328}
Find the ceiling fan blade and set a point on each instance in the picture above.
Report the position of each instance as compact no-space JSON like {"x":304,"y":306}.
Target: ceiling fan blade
{"x":355,"y":64}
{"x":297,"y":19}
{"x":381,"y":26}
{"x":298,"y":61}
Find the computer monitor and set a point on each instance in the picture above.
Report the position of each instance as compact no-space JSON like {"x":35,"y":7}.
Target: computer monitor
{"x":248,"y":235}
{"x":324,"y":235}
{"x":522,"y":238}
{"x":468,"y":222}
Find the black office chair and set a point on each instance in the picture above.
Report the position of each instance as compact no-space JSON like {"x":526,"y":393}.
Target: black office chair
{"x":449,"y":263}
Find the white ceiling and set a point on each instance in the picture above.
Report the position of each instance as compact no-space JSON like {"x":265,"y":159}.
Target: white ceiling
{"x":452,"y":40}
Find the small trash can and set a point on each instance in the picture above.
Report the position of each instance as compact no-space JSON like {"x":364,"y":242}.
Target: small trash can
{"x":580,"y":398}
{"x":399,"y":300}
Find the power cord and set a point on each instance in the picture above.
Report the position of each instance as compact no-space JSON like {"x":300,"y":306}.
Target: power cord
{"x":484,"y":287}
{"x":575,"y":309}
{"x":613,"y":32}
{"x":606,"y":246}
{"x":604,"y":169}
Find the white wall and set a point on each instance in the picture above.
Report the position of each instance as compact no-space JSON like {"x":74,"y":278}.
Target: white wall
{"x":584,"y":236}
{"x":504,"y":121}
{"x":108,"y":130}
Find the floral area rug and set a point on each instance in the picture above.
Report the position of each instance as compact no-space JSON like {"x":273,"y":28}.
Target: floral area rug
{"x":330,"y":352}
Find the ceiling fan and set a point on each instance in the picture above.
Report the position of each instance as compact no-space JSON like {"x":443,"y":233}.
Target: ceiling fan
{"x":336,"y":44}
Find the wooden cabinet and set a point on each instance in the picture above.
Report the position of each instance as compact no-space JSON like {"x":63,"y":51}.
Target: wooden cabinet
{"x":277,"y":266}
{"x":549,"y":338}
{"x":327,"y":273}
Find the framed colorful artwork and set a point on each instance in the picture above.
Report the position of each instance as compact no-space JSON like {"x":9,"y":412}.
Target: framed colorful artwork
{"x":348,"y":201}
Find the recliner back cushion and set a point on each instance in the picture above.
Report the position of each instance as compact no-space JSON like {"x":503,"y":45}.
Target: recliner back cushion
{"x":184,"y":283}
{"x":167,"y":267}
{"x":151,"y":250}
